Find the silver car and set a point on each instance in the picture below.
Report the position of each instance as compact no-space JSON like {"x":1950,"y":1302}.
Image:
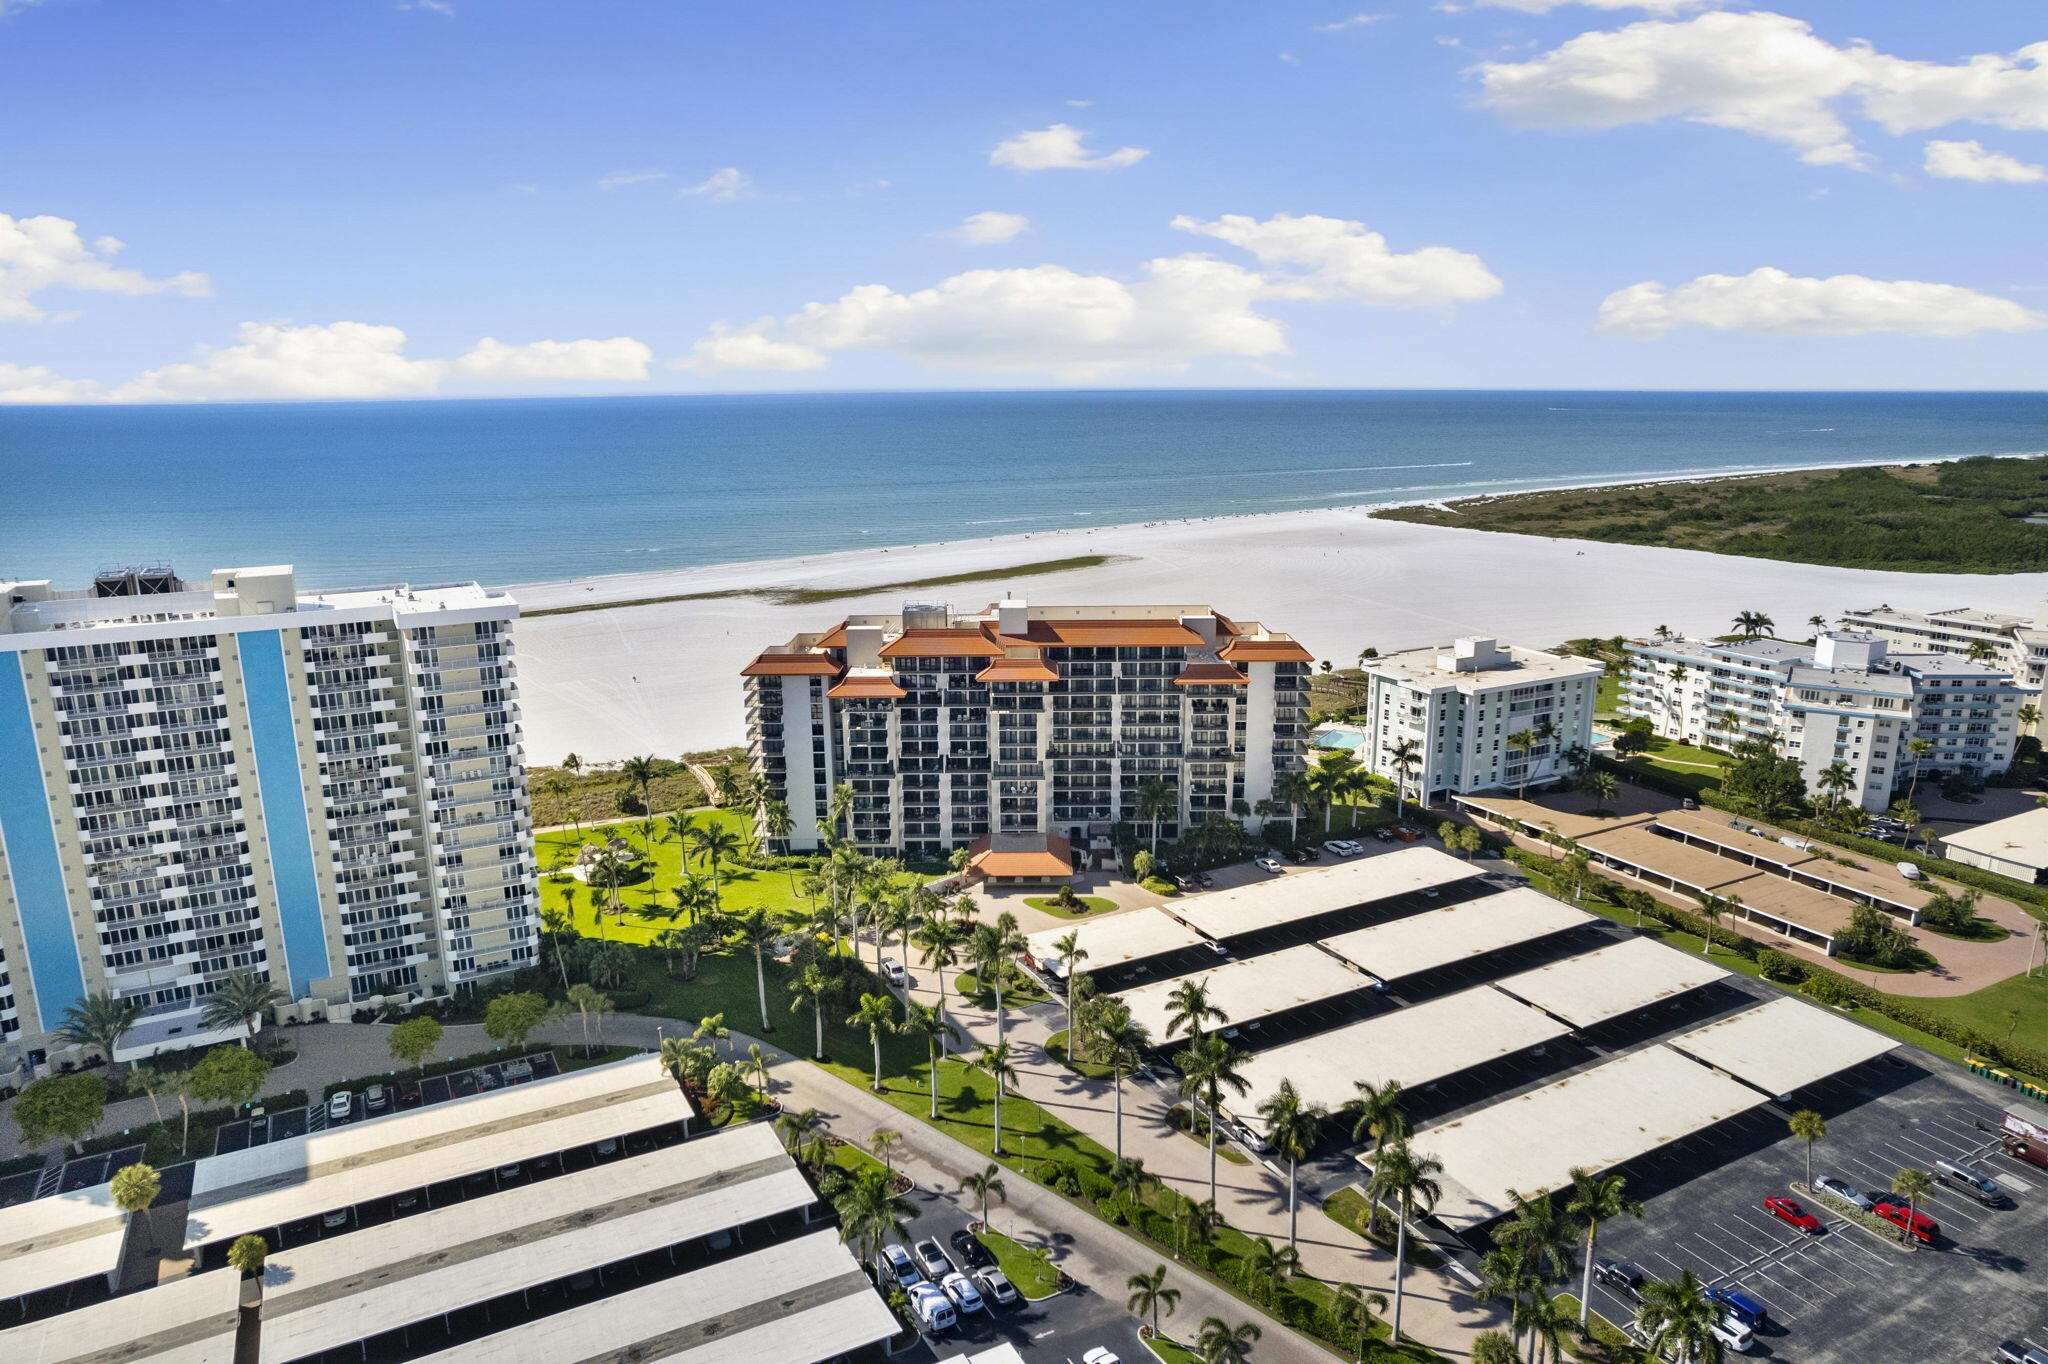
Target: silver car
{"x":1845,"y":1191}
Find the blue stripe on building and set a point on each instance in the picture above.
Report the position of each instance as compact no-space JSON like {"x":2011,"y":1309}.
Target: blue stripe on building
{"x":31,"y":842}
{"x":284,"y":807}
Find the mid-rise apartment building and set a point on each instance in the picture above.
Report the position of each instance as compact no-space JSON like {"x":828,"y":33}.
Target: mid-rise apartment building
{"x":1845,"y":698}
{"x":2019,"y":643}
{"x":326,"y":789}
{"x":1022,"y":722}
{"x":1461,"y":705}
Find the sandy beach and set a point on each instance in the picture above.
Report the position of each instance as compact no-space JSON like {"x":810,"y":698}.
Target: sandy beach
{"x":664,"y":678}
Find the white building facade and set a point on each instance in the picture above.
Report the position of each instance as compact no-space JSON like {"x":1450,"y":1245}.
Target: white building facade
{"x":2019,"y":643}
{"x":325,"y":789}
{"x":1845,"y":698}
{"x":1461,"y":706}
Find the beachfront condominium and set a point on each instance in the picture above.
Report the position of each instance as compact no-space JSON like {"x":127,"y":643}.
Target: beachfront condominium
{"x":198,"y":779}
{"x":1025,"y":732}
{"x":1476,"y":715}
{"x":1845,"y":698}
{"x":2019,"y":643}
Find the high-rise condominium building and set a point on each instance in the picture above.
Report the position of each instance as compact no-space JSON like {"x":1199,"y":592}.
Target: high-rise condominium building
{"x":1476,"y":714}
{"x":1842,"y":699}
{"x":2017,"y":643}
{"x":1031,"y":727}
{"x":324,"y":788}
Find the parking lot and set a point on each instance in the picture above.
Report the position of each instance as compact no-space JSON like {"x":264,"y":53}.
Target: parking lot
{"x":1844,"y":1295}
{"x":260,"y":1129}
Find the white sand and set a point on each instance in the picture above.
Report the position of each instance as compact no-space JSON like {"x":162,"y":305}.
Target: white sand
{"x":665,"y":679}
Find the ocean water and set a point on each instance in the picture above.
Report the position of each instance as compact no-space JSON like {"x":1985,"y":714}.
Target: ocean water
{"x":523,"y":490}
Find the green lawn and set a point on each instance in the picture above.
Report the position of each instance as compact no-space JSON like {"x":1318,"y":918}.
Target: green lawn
{"x":1695,"y":768}
{"x":1084,"y":905}
{"x":1607,"y":694}
{"x":1029,"y":1270}
{"x":1020,"y":992}
{"x":1991,"y":1009}
{"x":1172,"y":1351}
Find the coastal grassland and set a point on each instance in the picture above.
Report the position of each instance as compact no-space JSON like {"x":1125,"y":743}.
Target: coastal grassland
{"x":809,"y":596}
{"x":594,"y":793}
{"x":1968,"y":516}
{"x":741,"y":888}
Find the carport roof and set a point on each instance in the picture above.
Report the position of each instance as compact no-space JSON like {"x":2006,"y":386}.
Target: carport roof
{"x":1695,"y":867}
{"x":419,"y":1267}
{"x":1252,"y":988}
{"x":1324,"y":890}
{"x":1118,"y":939}
{"x":1788,"y":900}
{"x":1568,"y":823}
{"x":1438,"y":937}
{"x":187,"y":1320}
{"x":60,"y":1239}
{"x":1783,"y":1045}
{"x":1599,"y":1118}
{"x":1415,"y":1045}
{"x":798,"y":1302}
{"x":1610,"y":981}
{"x":270,"y":1185}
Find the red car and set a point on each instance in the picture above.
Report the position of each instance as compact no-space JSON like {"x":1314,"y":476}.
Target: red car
{"x":1919,"y":1225}
{"x":1787,"y":1210}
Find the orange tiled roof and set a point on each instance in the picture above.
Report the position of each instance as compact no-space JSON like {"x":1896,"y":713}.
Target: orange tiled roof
{"x":962,"y":642}
{"x":1207,"y":674}
{"x":791,"y":665}
{"x":1040,"y":855}
{"x":866,"y":687}
{"x":1264,"y":651}
{"x":834,"y":638}
{"x":1106,"y":634}
{"x":1018,"y":670}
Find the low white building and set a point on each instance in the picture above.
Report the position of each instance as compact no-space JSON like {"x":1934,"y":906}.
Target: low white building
{"x":1845,"y":698}
{"x":2016,"y":846}
{"x":1462,"y":704}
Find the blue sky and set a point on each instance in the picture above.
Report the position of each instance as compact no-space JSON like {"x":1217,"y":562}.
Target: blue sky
{"x":1812,"y":195}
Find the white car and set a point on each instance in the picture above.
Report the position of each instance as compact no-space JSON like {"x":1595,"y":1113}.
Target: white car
{"x":1733,"y":1334}
{"x":1845,"y":1191}
{"x":892,"y":971}
{"x":1344,"y":847}
{"x":1101,"y":1354}
{"x":341,"y":1106}
{"x":1267,"y":864}
{"x":962,"y":1291}
{"x":996,"y":1287}
{"x":933,"y":1309}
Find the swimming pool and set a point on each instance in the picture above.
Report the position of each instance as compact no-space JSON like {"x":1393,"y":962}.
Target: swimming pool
{"x":1339,"y":738}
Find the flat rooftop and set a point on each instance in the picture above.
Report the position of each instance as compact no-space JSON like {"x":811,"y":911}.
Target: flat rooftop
{"x":61,"y":1239}
{"x":1611,"y":981}
{"x":1599,"y":1118}
{"x":1323,"y":890}
{"x":283,"y":1181}
{"x":1416,"y":1046}
{"x":1117,"y":939}
{"x":1573,"y":824}
{"x":1513,"y":665}
{"x":1253,"y":988}
{"x":1783,"y":1045}
{"x":1695,"y":867}
{"x":1438,"y":937}
{"x":2021,"y":838}
{"x":1719,"y":828}
{"x":798,"y":1302}
{"x":186,"y":1320}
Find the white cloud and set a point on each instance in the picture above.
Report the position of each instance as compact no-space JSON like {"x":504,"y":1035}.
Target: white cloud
{"x":37,"y":384}
{"x":1973,"y":161}
{"x":48,"y":253}
{"x":991,"y":227}
{"x":1773,"y":302}
{"x":722,"y":186}
{"x":616,"y":360}
{"x":441,"y":7}
{"x":621,"y":179}
{"x":1359,"y":20}
{"x":1545,"y":6}
{"x":1059,"y":148}
{"x":1050,"y":319}
{"x":1763,"y":74}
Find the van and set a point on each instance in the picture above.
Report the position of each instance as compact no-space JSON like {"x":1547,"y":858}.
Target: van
{"x":933,"y":1309}
{"x":1970,"y":1182}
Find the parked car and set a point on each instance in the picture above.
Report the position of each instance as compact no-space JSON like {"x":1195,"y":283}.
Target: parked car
{"x":377,"y":1098}
{"x":341,"y":1106}
{"x":1432,"y":893}
{"x":968,"y":1252}
{"x":1101,"y":1354}
{"x":1792,"y":1213}
{"x":996,"y":1287}
{"x":1343,"y":847}
{"x":892,"y":971}
{"x":517,"y":1072}
{"x":932,"y":1260}
{"x":1918,"y":1225}
{"x":932,"y":1308}
{"x":962,"y":1291}
{"x":334,"y":1217}
{"x":1267,"y":864}
{"x":1622,"y":1277}
{"x":1971,"y":1182}
{"x":2018,"y":1352}
{"x":1845,"y":1191}
{"x":1733,"y":1335}
{"x":1383,"y":834}
{"x":1740,"y":1305}
{"x":901,"y":1266}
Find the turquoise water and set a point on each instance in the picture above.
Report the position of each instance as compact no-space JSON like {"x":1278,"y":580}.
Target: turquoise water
{"x":535,"y":489}
{"x":1339,"y":739}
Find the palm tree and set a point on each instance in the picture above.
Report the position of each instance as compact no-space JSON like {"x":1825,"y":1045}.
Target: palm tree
{"x":1156,"y":800}
{"x":1404,"y":758}
{"x":1677,"y":1320}
{"x":987,"y":1184}
{"x":1818,"y":623}
{"x":1540,"y":1234}
{"x":1221,"y":1343}
{"x":100,"y":1021}
{"x":810,"y":986}
{"x":1127,"y":1181}
{"x":1149,"y":1293}
{"x":1292,"y":790}
{"x":1355,"y":1306}
{"x":877,"y":1013}
{"x":1196,"y":1222}
{"x":940,"y":940}
{"x":1494,"y":1347}
{"x":639,"y":774}
{"x":1207,"y":1066}
{"x":2028,"y":716}
{"x":246,"y":1255}
{"x":990,"y":950}
{"x":1596,"y":1199}
{"x":1121,"y":1042}
{"x":1548,"y":1323}
{"x":1505,"y":1275}
{"x":714,"y":845}
{"x":1408,"y":1181}
{"x":134,"y":1188}
{"x":1522,"y":741}
{"x":995,"y":1063}
{"x":1712,"y":907}
{"x":1188,"y":1009}
{"x":1072,"y":954}
{"x":1835,"y":778}
{"x":842,"y":809}
{"x":1328,"y":780}
{"x":1377,"y":1112}
{"x":1265,"y":1266}
{"x":756,"y":930}
{"x":675,"y":1054}
{"x":923,"y":1020}
{"x":776,"y":823}
{"x":1293,"y":1127}
{"x":756,"y":1065}
{"x":1750,"y":624}
{"x":1911,"y":1185}
{"x":1809,"y":1127}
{"x":870,"y":1211}
{"x":240,"y":1001}
{"x":1919,"y":748}
{"x":589,"y":1002}
{"x":1601,"y":786}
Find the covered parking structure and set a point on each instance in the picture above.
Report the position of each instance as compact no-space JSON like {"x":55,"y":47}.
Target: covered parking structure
{"x":1455,"y":933}
{"x":54,"y":1243}
{"x":1783,"y":1046}
{"x":1132,"y":944}
{"x":1758,"y":846}
{"x":1597,"y":1119}
{"x":1609,"y":982}
{"x":1808,"y":917}
{"x":1416,"y":1046}
{"x":1301,"y":901}
{"x":1251,"y":990}
{"x":188,"y":1320}
{"x":275,"y":1185}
